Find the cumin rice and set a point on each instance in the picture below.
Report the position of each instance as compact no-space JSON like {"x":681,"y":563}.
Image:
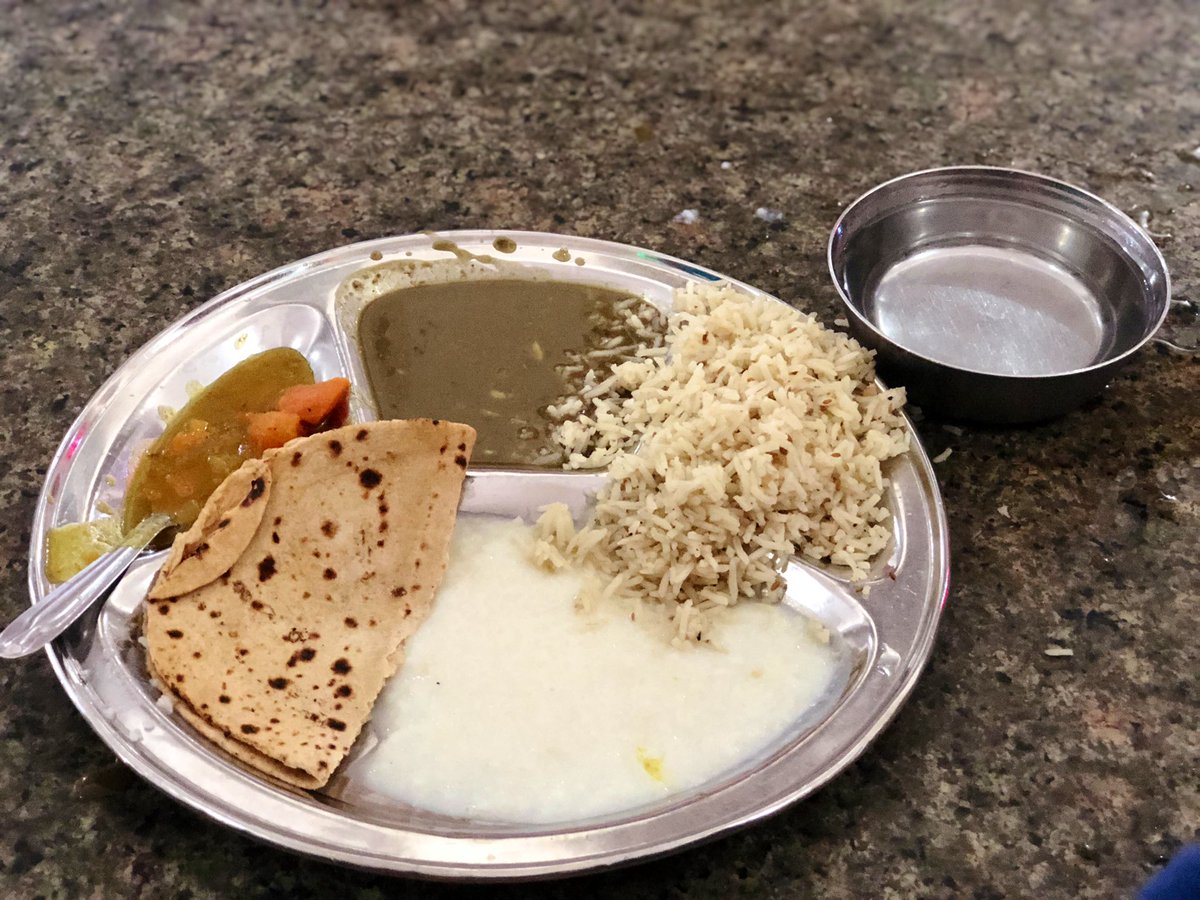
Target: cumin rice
{"x":762,"y":435}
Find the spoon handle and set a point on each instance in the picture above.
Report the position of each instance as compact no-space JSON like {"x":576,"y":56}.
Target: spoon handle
{"x":48,"y":618}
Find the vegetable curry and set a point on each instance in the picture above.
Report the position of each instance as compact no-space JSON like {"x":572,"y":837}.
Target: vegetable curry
{"x":262,"y":402}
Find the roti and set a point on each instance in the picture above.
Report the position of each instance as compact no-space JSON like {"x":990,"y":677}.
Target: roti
{"x":280,"y":614}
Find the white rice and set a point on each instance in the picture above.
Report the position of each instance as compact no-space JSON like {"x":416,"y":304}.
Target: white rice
{"x":762,"y":435}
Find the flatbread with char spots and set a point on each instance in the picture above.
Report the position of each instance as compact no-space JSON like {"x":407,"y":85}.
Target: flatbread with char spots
{"x":277,"y":651}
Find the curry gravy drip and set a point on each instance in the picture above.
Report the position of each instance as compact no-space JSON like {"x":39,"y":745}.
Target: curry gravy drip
{"x":493,"y":354}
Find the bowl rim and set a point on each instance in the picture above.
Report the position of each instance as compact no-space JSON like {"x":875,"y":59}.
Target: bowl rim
{"x":1103,"y":206}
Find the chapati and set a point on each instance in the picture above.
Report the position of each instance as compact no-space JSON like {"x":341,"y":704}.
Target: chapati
{"x":281,"y":613}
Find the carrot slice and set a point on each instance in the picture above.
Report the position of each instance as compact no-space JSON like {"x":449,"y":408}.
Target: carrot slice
{"x":314,"y":403}
{"x":190,"y":436}
{"x":271,"y":429}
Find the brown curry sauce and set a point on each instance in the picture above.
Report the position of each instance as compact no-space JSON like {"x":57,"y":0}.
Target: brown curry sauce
{"x":208,"y":438}
{"x":493,"y":354}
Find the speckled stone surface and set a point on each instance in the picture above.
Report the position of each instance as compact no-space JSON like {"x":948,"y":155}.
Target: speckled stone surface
{"x":154,"y":154}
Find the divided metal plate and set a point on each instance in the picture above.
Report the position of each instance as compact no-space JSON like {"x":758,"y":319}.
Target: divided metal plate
{"x":886,"y":631}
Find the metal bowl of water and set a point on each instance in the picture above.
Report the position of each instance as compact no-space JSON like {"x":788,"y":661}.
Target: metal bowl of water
{"x":996,"y":295}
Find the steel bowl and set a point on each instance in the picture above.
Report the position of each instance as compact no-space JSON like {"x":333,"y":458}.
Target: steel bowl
{"x":993,"y":294}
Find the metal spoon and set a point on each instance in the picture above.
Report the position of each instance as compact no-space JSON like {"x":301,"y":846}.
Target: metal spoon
{"x":50,"y":617}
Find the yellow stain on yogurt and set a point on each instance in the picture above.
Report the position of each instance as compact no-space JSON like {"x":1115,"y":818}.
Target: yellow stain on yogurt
{"x":653,"y":765}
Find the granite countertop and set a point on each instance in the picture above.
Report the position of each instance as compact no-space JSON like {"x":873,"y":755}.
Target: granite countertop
{"x":153,"y":154}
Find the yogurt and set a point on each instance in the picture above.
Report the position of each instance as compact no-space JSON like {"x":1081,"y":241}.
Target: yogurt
{"x":513,"y":706}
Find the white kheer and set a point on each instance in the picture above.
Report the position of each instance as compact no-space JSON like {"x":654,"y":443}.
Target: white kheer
{"x":513,"y":706}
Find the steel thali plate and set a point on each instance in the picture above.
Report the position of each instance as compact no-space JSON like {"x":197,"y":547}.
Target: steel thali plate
{"x":886,"y":631}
